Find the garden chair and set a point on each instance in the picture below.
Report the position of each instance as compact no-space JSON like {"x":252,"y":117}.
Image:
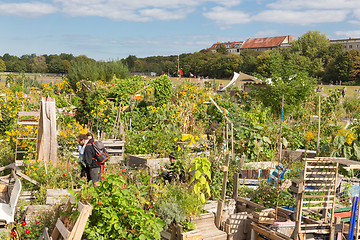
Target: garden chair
{"x":7,"y":210}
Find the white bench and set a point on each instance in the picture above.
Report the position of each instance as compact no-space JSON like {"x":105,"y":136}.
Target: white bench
{"x":7,"y":211}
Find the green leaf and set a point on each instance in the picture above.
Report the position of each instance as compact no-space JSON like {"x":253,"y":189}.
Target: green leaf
{"x":202,"y":197}
{"x":266,"y":139}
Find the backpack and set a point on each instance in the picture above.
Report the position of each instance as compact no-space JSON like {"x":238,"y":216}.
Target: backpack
{"x":101,"y":155}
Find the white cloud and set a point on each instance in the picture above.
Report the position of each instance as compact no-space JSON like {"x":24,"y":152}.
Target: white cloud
{"x":349,"y":33}
{"x":262,"y":34}
{"x":311,"y":4}
{"x":301,"y":17}
{"x":136,"y":10}
{"x":33,"y":9}
{"x":163,"y":14}
{"x":224,"y":16}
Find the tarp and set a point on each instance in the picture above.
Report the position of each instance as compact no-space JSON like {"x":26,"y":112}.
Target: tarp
{"x":245,"y":78}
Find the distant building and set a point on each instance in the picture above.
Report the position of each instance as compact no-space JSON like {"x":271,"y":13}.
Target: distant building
{"x":268,"y":43}
{"x":350,"y":43}
{"x":231,"y":47}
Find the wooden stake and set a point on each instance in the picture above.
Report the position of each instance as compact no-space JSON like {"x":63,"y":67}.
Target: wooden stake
{"x":223,"y":192}
{"x":318,"y":136}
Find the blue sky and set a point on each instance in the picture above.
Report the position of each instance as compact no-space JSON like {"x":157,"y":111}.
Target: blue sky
{"x":114,"y":29}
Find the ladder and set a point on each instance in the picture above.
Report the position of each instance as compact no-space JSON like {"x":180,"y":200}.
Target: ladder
{"x":316,"y":195}
{"x":26,"y":137}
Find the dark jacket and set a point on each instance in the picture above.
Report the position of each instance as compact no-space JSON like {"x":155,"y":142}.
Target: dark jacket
{"x":89,"y":155}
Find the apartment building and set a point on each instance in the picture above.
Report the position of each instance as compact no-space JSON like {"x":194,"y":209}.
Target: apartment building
{"x":268,"y":43}
{"x":231,"y":47}
{"x":258,"y":44}
{"x":350,"y":43}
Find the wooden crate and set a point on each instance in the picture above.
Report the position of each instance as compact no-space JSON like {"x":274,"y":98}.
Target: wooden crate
{"x":115,"y":149}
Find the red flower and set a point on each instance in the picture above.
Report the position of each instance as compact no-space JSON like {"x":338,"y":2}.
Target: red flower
{"x":123,"y":170}
{"x":99,"y":203}
{"x":133,"y":212}
{"x":24,"y":224}
{"x":27,"y":231}
{"x":137,"y":193}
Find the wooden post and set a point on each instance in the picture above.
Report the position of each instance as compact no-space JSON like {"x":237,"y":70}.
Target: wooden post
{"x":279,"y":156}
{"x":235,"y":184}
{"x":318,"y":136}
{"x":220,"y":206}
{"x":232,"y":143}
{"x":47,"y":142}
{"x":280,"y":135}
{"x":227,"y":135}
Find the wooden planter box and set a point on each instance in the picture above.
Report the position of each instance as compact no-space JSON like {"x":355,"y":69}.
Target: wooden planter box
{"x":150,"y":162}
{"x":259,"y":213}
{"x":206,"y":229}
{"x":57,"y":196}
{"x":175,"y":233}
{"x":115,"y":149}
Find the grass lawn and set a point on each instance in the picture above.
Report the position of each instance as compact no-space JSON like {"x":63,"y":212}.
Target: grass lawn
{"x":349,"y":90}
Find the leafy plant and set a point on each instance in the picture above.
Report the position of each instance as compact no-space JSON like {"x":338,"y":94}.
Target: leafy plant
{"x":118,"y":212}
{"x":162,"y":90}
{"x":202,"y":176}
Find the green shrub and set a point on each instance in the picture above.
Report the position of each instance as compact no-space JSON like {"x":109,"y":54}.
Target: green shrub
{"x":118,"y":211}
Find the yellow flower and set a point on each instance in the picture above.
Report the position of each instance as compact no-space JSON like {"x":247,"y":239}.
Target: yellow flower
{"x":173,"y":116}
{"x":106,"y":120}
{"x":164,"y":105}
{"x":179,"y":148}
{"x":175,"y":139}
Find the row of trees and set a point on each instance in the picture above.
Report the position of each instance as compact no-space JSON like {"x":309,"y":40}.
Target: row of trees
{"x":30,"y":63}
{"x":76,"y":68}
{"x":311,"y":52}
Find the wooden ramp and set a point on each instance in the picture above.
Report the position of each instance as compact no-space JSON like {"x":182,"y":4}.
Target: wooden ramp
{"x":206,"y":224}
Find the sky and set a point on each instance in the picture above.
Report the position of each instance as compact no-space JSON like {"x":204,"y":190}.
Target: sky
{"x":114,"y":29}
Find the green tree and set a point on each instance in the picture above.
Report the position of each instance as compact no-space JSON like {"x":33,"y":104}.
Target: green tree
{"x":221,"y":49}
{"x":38,"y":65}
{"x":285,"y":79}
{"x":314,"y":46}
{"x":2,"y":66}
{"x":56,"y":65}
{"x":249,"y":61}
{"x":130,"y":62}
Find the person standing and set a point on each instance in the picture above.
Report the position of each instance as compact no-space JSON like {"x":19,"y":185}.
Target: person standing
{"x":82,"y":139}
{"x":89,"y":159}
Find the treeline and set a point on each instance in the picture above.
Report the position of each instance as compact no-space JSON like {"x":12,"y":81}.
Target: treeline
{"x":311,"y":52}
{"x":76,"y":68}
{"x":31,"y":63}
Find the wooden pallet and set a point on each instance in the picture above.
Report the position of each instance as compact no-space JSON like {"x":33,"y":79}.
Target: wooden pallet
{"x":317,"y":191}
{"x":206,"y":224}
